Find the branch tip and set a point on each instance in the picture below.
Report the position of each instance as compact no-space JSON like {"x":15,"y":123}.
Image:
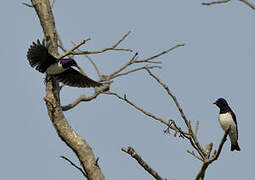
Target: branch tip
{"x":28,"y":5}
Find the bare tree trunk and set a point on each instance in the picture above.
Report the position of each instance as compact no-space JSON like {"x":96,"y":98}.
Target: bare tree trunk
{"x":64,"y":130}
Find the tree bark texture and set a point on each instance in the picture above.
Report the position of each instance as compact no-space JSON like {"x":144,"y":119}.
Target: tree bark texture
{"x":63,"y":129}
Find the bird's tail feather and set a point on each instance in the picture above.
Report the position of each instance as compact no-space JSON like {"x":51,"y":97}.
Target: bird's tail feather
{"x":235,"y":147}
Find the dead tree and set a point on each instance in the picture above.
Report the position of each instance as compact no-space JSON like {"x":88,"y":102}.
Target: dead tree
{"x":89,"y":165}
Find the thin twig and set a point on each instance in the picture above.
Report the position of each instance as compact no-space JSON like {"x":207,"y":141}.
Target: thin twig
{"x":60,"y":43}
{"x":193,"y":154}
{"x":196,"y":128}
{"x":70,"y":52}
{"x":215,"y":2}
{"x":94,"y":65}
{"x":172,"y":96}
{"x":129,"y":150}
{"x":102,"y":50}
{"x":150,"y":61}
{"x":122,"y":39}
{"x":134,"y":70}
{"x":190,"y":138}
{"x":113,"y":47}
{"x":74,"y":165}
{"x":248,"y":3}
{"x":159,"y":54}
{"x":28,"y":5}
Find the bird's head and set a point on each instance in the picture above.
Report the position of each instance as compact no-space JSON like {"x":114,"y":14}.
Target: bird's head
{"x":67,"y":62}
{"x":221,"y":103}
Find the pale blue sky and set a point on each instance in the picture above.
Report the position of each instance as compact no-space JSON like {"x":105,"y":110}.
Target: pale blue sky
{"x":217,"y":61}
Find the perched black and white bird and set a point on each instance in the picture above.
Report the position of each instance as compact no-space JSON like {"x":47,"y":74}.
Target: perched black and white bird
{"x":39,"y":57}
{"x":227,"y":119}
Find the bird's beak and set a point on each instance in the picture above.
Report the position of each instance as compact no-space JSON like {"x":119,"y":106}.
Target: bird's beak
{"x":214,"y":103}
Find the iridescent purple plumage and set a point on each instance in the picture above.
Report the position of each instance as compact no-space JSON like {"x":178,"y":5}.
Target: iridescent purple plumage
{"x":67,"y":62}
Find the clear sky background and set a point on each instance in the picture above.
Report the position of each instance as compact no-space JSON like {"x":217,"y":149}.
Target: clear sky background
{"x":217,"y":61}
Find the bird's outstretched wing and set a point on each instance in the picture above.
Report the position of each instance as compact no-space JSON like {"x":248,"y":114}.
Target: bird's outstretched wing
{"x":39,"y":56}
{"x":74,"y":78}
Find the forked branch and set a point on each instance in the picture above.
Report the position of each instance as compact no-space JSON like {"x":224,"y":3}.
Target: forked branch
{"x":215,"y":156}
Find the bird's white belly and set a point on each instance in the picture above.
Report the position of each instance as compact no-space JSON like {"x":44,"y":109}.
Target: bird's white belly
{"x":226,"y":121}
{"x":55,"y":69}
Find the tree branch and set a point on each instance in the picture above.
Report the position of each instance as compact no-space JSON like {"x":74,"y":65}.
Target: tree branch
{"x":197,"y":146}
{"x":84,"y":98}
{"x":137,"y":157}
{"x":248,"y":3}
{"x":159,"y":54}
{"x":251,"y":5}
{"x":122,"y":39}
{"x":94,"y":65}
{"x":170,"y":125}
{"x":207,"y":162}
{"x":136,"y":69}
{"x":223,"y":140}
{"x":193,"y":154}
{"x":215,"y":2}
{"x":196,"y":128}
{"x":114,"y":74}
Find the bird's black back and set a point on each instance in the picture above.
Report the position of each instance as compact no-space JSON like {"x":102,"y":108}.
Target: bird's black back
{"x":234,"y":118}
